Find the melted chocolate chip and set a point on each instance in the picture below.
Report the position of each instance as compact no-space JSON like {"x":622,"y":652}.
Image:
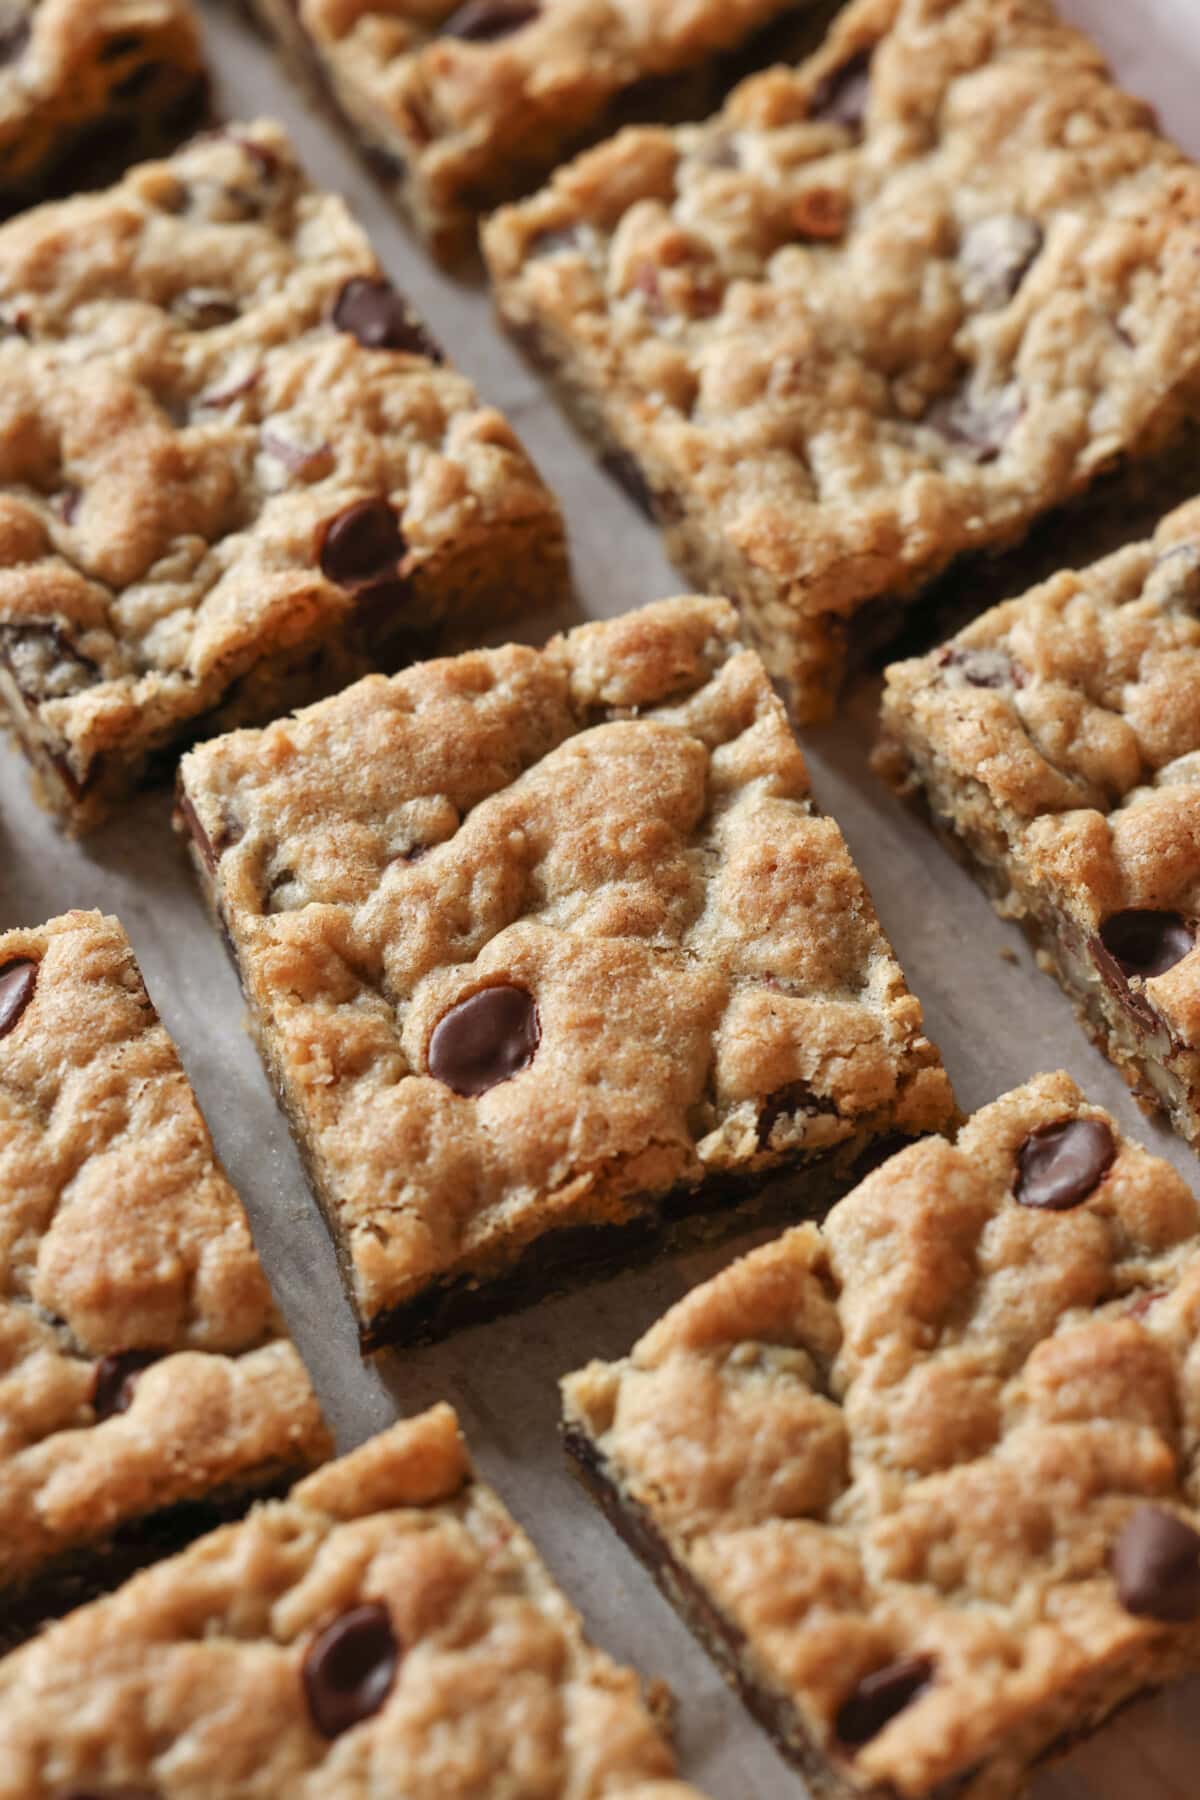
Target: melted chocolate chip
{"x":1156,"y":1563}
{"x":349,"y":1668}
{"x":18,"y":978}
{"x":361,"y":545}
{"x":1146,"y":943}
{"x":996,"y":255}
{"x":1058,"y":1166}
{"x":482,"y":21}
{"x":980,"y":668}
{"x":116,"y":1380}
{"x":979,"y":424}
{"x":878,"y":1698}
{"x":484,"y":1039}
{"x":842,"y":97}
{"x":378,"y":316}
{"x":794,"y":1101}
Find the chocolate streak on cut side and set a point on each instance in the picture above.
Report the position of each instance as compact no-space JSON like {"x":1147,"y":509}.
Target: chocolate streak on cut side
{"x":85,"y":1574}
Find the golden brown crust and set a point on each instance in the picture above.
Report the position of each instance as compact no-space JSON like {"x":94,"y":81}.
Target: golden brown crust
{"x":189,"y":1678}
{"x":119,"y":1232}
{"x":918,"y":1432}
{"x":180,"y":421}
{"x":840,"y":359}
{"x":620,"y":824}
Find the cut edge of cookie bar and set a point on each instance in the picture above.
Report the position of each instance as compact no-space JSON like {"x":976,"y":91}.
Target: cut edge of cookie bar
{"x":349,"y":1599}
{"x":137,"y":89}
{"x":147,"y":1440}
{"x":445,"y":202}
{"x":950,"y":745}
{"x":785,"y":1454}
{"x":820,"y":597}
{"x":785,"y":1150}
{"x":461,"y":527}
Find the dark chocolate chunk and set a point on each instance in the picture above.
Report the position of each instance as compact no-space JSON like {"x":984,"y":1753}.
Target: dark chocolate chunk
{"x":1146,"y":943}
{"x":880,"y":1696}
{"x":1156,"y":1563}
{"x":349,"y":1668}
{"x":379,"y":317}
{"x":980,"y":668}
{"x":484,"y":1039}
{"x":44,"y":662}
{"x":482,"y":21}
{"x":1058,"y":1166}
{"x":18,"y":978}
{"x":361,"y":545}
{"x":788,"y":1103}
{"x":996,"y":255}
{"x":841,"y":98}
{"x":980,"y":423}
{"x":116,"y":1379}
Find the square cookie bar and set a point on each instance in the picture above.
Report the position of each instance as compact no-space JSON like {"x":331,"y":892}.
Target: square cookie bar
{"x":147,"y":1387}
{"x":462,"y":105}
{"x":387,"y":1628}
{"x":546,"y":951}
{"x":885,"y":309}
{"x":1056,"y":742}
{"x":924,"y":1481}
{"x":235,"y":472}
{"x":89,"y":86}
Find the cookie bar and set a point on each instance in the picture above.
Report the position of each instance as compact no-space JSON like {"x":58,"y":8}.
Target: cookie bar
{"x":461,"y":106}
{"x":147,"y":1387}
{"x":387,"y":1626}
{"x":924,"y":1480}
{"x":548,"y":950}
{"x":89,"y":86}
{"x":1056,"y":741}
{"x":235,"y":472}
{"x":882,"y":311}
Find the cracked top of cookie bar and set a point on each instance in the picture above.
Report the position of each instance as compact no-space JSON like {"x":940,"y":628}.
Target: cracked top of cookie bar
{"x":884,"y":307}
{"x":387,"y":1623}
{"x":142,"y":1360}
{"x":1069,"y":721}
{"x":897,"y":1452}
{"x":484,"y":91}
{"x":614,"y":838}
{"x":201,"y":372}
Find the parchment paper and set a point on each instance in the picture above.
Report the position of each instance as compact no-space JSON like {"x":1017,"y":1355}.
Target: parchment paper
{"x":995,"y":1017}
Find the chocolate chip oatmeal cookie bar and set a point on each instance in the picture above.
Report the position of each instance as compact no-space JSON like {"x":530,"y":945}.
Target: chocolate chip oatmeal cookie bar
{"x":925,"y":1480}
{"x":885,"y":309}
{"x":235,"y":472}
{"x":460,"y":104}
{"x":1057,"y":742}
{"x":547,"y":950}
{"x":147,"y":1388}
{"x":89,"y":86}
{"x":388,"y":1628}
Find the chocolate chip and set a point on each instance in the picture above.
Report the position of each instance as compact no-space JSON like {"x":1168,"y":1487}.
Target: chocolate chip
{"x":481,"y":21}
{"x":995,"y":256}
{"x":124,"y":44}
{"x":982,"y":668}
{"x":116,"y":1379}
{"x":880,"y":1696}
{"x":361,"y":545}
{"x":44,"y":662}
{"x":203,"y":309}
{"x":121,"y":1793}
{"x":797,"y":1100}
{"x":841,"y":97}
{"x":18,"y":978}
{"x":1058,"y":1166}
{"x":978,"y":423}
{"x":349,"y":1668}
{"x":1147,"y":943}
{"x":379,"y":317}
{"x":484,"y":1039}
{"x":1156,"y":1563}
